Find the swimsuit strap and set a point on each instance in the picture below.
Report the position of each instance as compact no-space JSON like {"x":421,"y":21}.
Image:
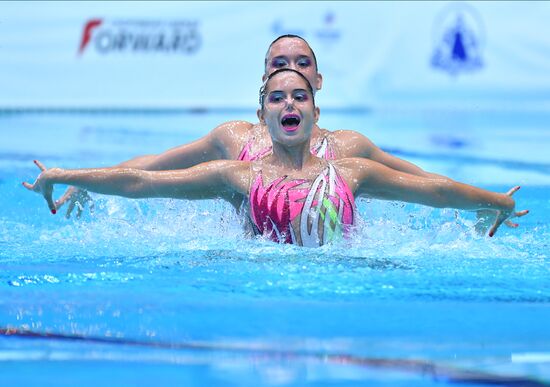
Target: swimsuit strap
{"x":324,"y":149}
{"x":246,"y":152}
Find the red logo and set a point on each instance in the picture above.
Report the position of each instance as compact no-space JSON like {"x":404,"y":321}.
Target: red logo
{"x":87,"y":34}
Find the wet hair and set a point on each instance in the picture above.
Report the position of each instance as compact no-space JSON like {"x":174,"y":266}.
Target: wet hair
{"x":290,"y":36}
{"x":263,"y":89}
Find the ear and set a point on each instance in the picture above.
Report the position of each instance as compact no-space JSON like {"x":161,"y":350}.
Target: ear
{"x":260,"y":114}
{"x":316,"y":114}
{"x":319,"y":81}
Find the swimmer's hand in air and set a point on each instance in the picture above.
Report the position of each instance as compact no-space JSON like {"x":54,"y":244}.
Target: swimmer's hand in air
{"x":43,"y":184}
{"x":491,"y":219}
{"x":77,"y":197}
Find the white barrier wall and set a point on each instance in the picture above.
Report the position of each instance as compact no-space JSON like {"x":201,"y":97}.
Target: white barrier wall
{"x":210,"y":54}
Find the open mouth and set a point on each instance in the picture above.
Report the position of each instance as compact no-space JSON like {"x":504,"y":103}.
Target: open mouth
{"x":290,"y":122}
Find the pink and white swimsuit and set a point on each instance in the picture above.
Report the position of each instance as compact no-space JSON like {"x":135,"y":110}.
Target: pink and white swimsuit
{"x":300,"y":211}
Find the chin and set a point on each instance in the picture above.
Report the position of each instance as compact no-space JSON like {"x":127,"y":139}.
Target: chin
{"x":294,"y":139}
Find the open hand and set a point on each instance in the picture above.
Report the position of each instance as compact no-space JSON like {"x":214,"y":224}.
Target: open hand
{"x":77,"y":197}
{"x":492,"y":219}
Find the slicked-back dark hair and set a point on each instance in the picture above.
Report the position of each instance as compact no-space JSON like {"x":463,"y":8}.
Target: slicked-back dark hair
{"x":263,"y":89}
{"x":290,"y":36}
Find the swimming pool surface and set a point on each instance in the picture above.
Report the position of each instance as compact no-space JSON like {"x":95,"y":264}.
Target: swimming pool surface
{"x":171,"y":292}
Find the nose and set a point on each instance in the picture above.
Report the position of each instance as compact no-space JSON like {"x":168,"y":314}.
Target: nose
{"x":289,"y":103}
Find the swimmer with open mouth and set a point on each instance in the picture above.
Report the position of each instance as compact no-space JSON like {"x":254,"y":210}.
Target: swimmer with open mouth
{"x":292,"y":195}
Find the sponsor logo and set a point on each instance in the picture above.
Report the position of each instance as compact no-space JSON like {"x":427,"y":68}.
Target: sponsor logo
{"x":140,"y":36}
{"x":459,"y":39}
{"x":326,"y":31}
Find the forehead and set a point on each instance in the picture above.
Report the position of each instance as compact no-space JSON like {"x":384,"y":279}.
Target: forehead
{"x":289,"y":47}
{"x":286,"y":81}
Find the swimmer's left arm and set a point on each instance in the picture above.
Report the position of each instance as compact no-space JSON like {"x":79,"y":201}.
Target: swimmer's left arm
{"x":378,"y":181}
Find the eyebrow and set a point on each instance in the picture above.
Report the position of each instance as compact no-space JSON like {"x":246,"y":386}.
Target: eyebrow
{"x":300,"y":56}
{"x":280,"y":57}
{"x":282,"y":91}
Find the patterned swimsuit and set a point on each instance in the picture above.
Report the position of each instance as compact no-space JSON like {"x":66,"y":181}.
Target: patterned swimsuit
{"x":325,"y":206}
{"x":300,"y":211}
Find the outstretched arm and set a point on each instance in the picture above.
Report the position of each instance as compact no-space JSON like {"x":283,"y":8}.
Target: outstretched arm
{"x":354,"y":144}
{"x":214,"y":179}
{"x":378,"y":181}
{"x":219,"y":144}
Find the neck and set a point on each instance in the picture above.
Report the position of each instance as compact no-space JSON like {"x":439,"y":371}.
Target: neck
{"x":293,"y":157}
{"x":315,"y":131}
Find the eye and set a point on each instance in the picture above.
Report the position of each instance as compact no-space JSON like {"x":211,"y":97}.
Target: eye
{"x":279,"y":63}
{"x":275,"y":97}
{"x":301,"y":97}
{"x":304,"y":62}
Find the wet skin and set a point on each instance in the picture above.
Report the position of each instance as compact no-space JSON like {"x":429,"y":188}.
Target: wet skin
{"x":291,"y":158}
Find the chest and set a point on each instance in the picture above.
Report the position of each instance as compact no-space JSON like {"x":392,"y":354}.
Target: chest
{"x":302,"y":210}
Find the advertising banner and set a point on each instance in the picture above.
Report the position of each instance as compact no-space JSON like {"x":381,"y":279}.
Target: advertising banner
{"x":210,"y":55}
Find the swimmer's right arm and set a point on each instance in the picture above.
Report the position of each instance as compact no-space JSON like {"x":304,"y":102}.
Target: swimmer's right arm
{"x":214,"y":146}
{"x":220,"y":178}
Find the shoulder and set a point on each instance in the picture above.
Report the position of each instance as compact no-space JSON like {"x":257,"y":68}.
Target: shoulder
{"x":349,"y":143}
{"x":230,"y":137}
{"x":353,"y":170}
{"x":355,"y":166}
{"x":230,"y":128}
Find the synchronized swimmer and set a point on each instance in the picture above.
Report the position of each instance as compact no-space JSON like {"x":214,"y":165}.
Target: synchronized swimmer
{"x":241,"y":140}
{"x":291,"y":195}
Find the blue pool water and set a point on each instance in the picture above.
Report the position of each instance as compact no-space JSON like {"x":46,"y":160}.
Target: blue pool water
{"x":165,"y":292}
